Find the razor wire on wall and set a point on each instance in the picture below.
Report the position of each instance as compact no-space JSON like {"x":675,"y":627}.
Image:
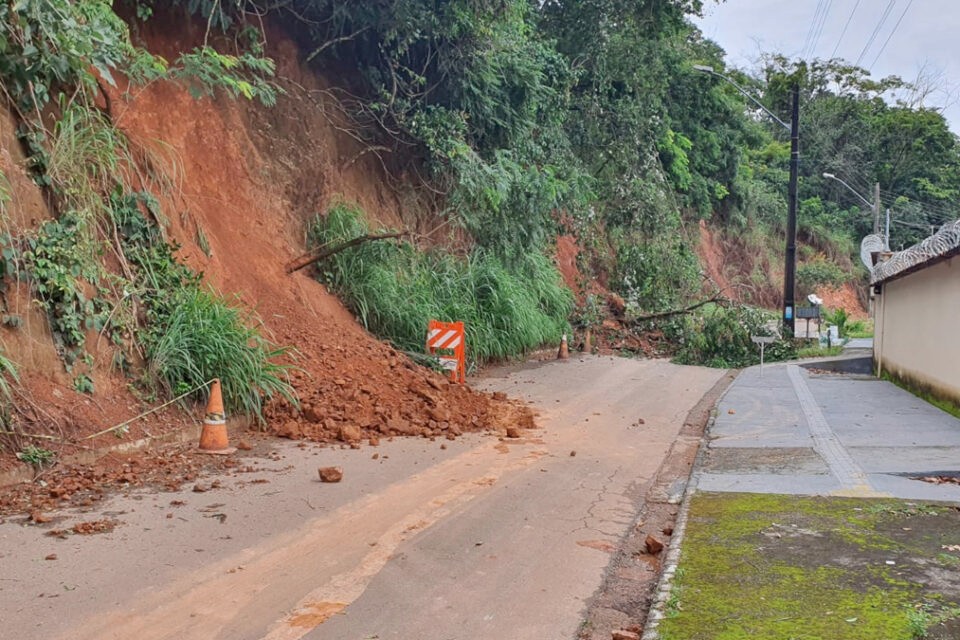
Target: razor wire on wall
{"x":945,"y":240}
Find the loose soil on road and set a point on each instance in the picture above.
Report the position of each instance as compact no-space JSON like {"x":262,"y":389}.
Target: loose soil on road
{"x":481,"y":537}
{"x":769,"y":567}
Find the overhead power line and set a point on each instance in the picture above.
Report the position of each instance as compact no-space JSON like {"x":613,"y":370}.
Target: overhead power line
{"x":887,"y":41}
{"x":819,"y":32}
{"x":844,"y":32}
{"x":876,"y":31}
{"x":804,"y":53}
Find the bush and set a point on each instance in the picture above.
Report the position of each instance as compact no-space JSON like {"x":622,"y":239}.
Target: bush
{"x":508,"y":307}
{"x":720,"y":337}
{"x":819,"y":272}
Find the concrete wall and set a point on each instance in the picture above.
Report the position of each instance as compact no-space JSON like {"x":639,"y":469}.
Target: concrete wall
{"x":917,"y":329}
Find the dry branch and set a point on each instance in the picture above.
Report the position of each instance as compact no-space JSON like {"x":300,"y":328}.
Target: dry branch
{"x":676,"y":312}
{"x":324,"y":252}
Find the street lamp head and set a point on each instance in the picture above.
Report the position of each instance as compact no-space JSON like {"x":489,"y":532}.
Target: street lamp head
{"x":704,"y":68}
{"x":829,"y":175}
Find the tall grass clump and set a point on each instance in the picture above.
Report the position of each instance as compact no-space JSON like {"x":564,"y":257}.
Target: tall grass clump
{"x":203,"y":338}
{"x":508,"y":307}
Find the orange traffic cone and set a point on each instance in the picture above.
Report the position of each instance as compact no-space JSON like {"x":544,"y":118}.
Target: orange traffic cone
{"x":564,"y":351}
{"x":213,"y":438}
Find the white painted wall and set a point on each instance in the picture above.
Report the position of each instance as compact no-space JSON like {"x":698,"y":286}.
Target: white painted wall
{"x":917,"y":327}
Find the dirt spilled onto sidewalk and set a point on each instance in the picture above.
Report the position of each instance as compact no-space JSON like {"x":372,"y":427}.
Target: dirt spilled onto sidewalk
{"x":771,"y":566}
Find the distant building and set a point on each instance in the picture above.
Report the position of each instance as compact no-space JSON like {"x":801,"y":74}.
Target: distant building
{"x":917,"y":314}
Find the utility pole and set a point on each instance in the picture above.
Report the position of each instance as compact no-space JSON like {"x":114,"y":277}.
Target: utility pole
{"x":789,"y":271}
{"x":790,"y":266}
{"x":876,"y":208}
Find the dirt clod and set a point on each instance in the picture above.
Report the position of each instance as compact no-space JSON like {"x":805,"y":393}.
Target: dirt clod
{"x":653,"y":545}
{"x":52,"y":556}
{"x":513,"y":432}
{"x":623,"y":634}
{"x":330,"y":474}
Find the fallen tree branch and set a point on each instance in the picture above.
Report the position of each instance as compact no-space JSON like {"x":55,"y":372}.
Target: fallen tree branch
{"x":718,"y":297}
{"x":324,"y":252}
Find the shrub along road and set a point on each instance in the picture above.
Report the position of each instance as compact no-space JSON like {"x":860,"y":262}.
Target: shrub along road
{"x":473,"y":538}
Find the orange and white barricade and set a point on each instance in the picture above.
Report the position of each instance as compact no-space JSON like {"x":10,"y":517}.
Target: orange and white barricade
{"x":447,"y":341}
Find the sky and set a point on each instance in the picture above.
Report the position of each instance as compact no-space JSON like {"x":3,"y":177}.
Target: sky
{"x":917,"y":36}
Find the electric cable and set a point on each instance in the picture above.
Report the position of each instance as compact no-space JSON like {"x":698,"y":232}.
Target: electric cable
{"x":844,"y":32}
{"x":823,"y":22}
{"x":813,"y":27}
{"x":887,"y":41}
{"x":876,"y":32}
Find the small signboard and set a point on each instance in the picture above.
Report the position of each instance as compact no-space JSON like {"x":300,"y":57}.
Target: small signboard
{"x":763,"y":341}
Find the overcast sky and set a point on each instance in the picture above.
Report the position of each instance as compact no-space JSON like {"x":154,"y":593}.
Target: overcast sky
{"x":927,"y":37}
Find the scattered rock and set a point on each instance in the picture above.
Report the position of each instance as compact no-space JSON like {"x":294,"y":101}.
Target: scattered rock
{"x":52,"y":556}
{"x":289,"y":429}
{"x":573,"y":453}
{"x":513,"y":432}
{"x":330,"y":474}
{"x":374,"y":441}
{"x":731,"y":411}
{"x":375,"y":456}
{"x":200,"y":488}
{"x":641,"y":421}
{"x":668,"y":531}
{"x":401,"y":426}
{"x":39,"y":518}
{"x":623,"y":634}
{"x":653,"y":545}
{"x":499,"y":395}
{"x":243,"y":445}
{"x":350,"y":433}
{"x":618,"y":306}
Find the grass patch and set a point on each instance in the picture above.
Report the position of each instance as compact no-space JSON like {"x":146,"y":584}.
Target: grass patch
{"x":768,"y":567}
{"x":859,"y":329}
{"x":819,"y":352}
{"x":508,"y":307}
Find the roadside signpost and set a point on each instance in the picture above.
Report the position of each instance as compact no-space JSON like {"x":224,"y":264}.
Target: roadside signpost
{"x":763,"y":341}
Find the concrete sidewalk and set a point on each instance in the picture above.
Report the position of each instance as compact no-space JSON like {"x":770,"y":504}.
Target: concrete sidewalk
{"x":800,"y":430}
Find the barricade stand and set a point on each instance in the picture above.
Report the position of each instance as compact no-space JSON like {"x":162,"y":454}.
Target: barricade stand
{"x":447,"y":341}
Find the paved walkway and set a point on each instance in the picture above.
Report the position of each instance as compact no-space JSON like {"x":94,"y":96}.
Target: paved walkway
{"x":801,"y":431}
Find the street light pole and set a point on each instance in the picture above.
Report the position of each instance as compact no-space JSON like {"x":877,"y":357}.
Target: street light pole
{"x":790,"y":266}
{"x":874,"y":206}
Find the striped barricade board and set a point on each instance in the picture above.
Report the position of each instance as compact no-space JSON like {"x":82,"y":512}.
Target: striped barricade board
{"x":447,"y":341}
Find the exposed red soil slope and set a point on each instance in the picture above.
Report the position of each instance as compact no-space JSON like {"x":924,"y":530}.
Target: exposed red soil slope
{"x":246,"y":181}
{"x":745,"y":275}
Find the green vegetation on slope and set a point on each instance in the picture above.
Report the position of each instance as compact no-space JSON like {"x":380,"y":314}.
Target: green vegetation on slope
{"x":508,"y":308}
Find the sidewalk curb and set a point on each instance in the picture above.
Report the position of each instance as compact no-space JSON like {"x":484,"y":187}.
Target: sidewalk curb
{"x":672,"y":560}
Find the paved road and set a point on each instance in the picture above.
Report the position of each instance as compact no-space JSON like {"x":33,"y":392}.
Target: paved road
{"x":481,"y":539}
{"x":795,"y":430}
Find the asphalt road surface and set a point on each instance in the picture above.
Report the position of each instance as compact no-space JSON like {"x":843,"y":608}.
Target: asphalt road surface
{"x":475,"y":539}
